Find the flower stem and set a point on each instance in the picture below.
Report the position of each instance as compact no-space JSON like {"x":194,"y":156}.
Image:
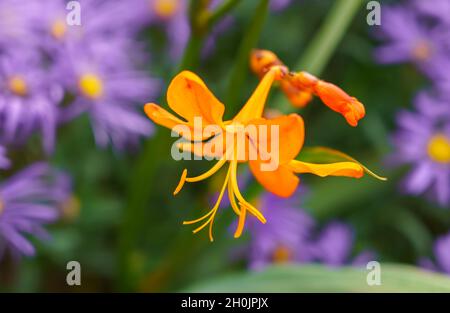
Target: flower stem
{"x":202,"y":21}
{"x":324,"y":44}
{"x":329,"y":35}
{"x":249,"y":41}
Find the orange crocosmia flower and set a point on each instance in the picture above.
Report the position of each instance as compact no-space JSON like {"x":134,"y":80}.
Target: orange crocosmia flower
{"x":299,"y":87}
{"x":189,"y":97}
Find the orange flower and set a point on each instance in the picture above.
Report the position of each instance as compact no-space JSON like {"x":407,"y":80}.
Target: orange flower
{"x":190,"y":98}
{"x":299,"y":88}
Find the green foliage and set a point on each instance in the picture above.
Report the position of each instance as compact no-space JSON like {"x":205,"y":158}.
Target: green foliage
{"x":315,"y":278}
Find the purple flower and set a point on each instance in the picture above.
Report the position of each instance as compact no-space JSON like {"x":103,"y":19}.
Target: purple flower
{"x":334,"y":246}
{"x":284,"y":238}
{"x":290,"y":235}
{"x":109,"y":94}
{"x":171,"y":15}
{"x":441,"y":251}
{"x":409,"y":38}
{"x":423,"y":141}
{"x":28,"y":99}
{"x":16,"y":23}
{"x":436,"y":9}
{"x":28,"y":201}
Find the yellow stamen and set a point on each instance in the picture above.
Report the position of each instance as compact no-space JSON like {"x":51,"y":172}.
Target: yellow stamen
{"x":166,"y":8}
{"x":240,"y":198}
{"x":209,"y":173}
{"x":18,"y":86}
{"x":181,"y":183}
{"x":211,"y":214}
{"x":91,"y":86}
{"x":241,"y":223}
{"x":439,"y":149}
{"x":281,"y":255}
{"x":58,"y":29}
{"x":233,"y":203}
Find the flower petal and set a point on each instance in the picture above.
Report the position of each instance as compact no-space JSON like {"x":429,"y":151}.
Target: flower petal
{"x":291,"y":135}
{"x":281,"y":182}
{"x":189,"y":97}
{"x":347,"y":169}
{"x":255,"y":105}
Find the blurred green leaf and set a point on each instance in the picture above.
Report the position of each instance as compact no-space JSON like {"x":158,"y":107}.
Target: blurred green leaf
{"x":316,"y":278}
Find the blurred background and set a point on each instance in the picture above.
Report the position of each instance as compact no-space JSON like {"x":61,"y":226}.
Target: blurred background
{"x":87,"y":177}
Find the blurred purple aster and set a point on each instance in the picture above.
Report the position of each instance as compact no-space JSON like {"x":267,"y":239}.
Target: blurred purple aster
{"x":290,"y":235}
{"x":284,"y":238}
{"x":410,"y":39}
{"x":441,"y":251}
{"x":423,"y":142}
{"x":171,"y":15}
{"x":110,"y":95}
{"x":16,"y":22}
{"x":436,"y":9}
{"x":28,"y":201}
{"x":28,"y":99}
{"x":334,"y":244}
{"x":97,"y":30}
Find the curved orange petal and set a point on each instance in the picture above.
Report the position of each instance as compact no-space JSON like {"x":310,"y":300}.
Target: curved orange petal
{"x":255,"y":105}
{"x":162,"y":117}
{"x":189,"y":97}
{"x":288,"y":143}
{"x":281,"y":182}
{"x":347,"y":169}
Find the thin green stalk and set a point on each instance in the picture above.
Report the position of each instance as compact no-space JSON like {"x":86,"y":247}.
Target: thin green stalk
{"x":152,"y":156}
{"x":221,"y":11}
{"x":324,"y":44}
{"x":202,"y":21}
{"x":249,"y":41}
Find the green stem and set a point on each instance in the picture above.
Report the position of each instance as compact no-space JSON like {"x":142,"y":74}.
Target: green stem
{"x":329,"y":36}
{"x":202,"y":22}
{"x":324,"y":44}
{"x":249,"y":41}
{"x":221,"y":11}
{"x":154,"y":153}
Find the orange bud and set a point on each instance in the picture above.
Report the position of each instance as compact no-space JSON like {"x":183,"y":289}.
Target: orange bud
{"x":298,"y":98}
{"x":262,"y":60}
{"x":338,"y":100}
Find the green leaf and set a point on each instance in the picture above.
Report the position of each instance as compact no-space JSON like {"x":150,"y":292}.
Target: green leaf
{"x":317,"y":278}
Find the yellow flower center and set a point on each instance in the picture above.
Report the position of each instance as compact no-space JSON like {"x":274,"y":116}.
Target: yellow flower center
{"x":281,"y":255}
{"x":166,"y":8}
{"x":2,"y":207}
{"x":439,"y":149}
{"x":422,"y":50}
{"x":91,"y":86}
{"x":18,"y":86}
{"x":71,"y":208}
{"x":58,"y":29}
